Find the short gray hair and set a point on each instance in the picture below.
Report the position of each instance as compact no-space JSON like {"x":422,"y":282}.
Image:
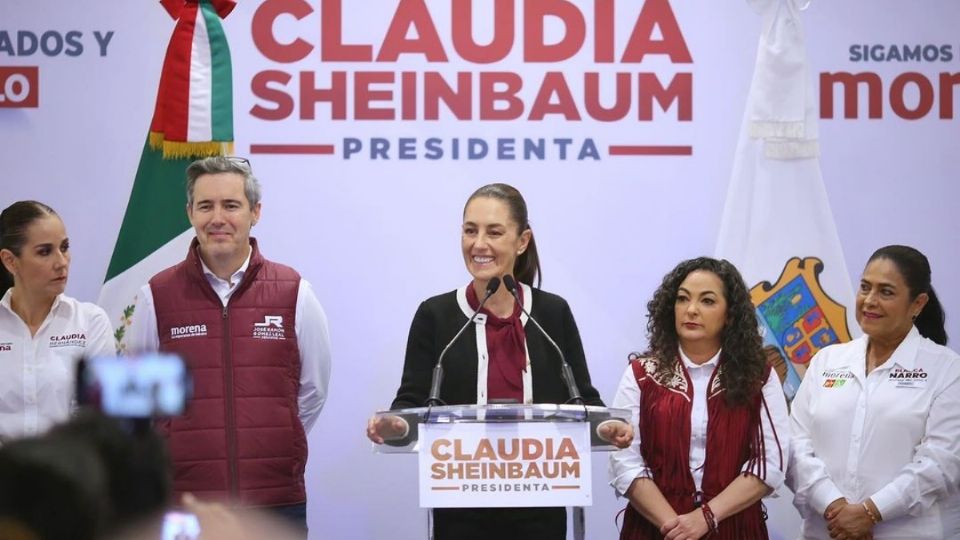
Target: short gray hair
{"x":224,"y":164}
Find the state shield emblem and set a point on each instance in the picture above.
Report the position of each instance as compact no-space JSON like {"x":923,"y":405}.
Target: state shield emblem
{"x":797,"y":319}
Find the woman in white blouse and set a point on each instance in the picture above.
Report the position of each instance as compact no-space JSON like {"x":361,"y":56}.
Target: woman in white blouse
{"x":876,"y":448}
{"x":42,"y":331}
{"x":709,"y":413}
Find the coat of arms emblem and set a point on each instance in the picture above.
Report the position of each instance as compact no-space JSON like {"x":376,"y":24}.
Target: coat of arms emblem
{"x":797,"y":319}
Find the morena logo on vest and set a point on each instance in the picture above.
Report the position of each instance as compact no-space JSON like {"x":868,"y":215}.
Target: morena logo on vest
{"x":193,"y":330}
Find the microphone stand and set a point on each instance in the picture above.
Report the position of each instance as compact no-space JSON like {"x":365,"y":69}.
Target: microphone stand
{"x":566,"y":373}
{"x":437,"y":378}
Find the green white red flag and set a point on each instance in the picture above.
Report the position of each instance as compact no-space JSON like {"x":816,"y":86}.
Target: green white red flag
{"x":193,"y":118}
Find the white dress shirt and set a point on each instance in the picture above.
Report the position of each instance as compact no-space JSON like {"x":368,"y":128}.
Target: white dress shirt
{"x":628,"y":464}
{"x":313,"y":338}
{"x":892,"y":436}
{"x":37,"y":373}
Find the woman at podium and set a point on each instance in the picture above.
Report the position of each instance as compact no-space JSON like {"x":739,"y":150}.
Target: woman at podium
{"x":712,"y":431}
{"x":500,"y":359}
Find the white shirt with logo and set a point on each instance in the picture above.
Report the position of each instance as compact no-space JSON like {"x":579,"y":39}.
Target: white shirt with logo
{"x":313,"y":338}
{"x":892,"y":436}
{"x":37,"y":373}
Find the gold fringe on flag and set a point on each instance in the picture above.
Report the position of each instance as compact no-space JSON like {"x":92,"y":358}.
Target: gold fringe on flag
{"x":182,"y":150}
{"x":156,"y":140}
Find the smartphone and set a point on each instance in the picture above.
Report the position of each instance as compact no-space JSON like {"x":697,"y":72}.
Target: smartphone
{"x":180,"y":526}
{"x":146,"y":386}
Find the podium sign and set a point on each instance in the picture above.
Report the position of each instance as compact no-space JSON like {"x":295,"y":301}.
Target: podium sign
{"x":505,"y":464}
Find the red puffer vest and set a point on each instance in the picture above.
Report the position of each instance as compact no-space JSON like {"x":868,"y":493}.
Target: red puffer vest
{"x":241,"y":436}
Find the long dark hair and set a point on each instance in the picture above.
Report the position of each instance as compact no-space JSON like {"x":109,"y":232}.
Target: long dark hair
{"x":915,"y":269}
{"x":526,"y":268}
{"x":14,"y":221}
{"x":745,"y":366}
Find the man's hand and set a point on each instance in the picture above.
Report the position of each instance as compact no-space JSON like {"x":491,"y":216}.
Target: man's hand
{"x":216,"y":520}
{"x":219,"y":522}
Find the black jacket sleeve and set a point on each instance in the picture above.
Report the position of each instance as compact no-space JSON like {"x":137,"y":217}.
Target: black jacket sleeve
{"x":573,"y":349}
{"x":419,"y":361}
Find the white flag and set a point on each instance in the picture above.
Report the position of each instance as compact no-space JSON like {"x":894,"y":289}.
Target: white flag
{"x":777,"y":227}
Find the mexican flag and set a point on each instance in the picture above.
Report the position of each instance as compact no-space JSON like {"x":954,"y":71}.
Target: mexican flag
{"x":155,"y":234}
{"x":193,"y":118}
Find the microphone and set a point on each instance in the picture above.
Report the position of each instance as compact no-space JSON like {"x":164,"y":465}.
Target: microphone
{"x":434,"y":398}
{"x":566,"y":373}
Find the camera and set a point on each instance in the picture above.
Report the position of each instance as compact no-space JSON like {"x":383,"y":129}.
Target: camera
{"x":146,"y":386}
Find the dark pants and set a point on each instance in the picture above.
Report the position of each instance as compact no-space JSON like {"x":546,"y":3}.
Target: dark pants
{"x":294,"y":515}
{"x":499,"y":523}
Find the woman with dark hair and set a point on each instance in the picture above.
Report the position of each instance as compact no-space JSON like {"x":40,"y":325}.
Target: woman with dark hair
{"x":500,"y":359}
{"x":42,"y":331}
{"x":876,"y":452}
{"x":709,"y":413}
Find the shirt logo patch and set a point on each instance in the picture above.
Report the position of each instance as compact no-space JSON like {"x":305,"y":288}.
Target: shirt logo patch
{"x":193,"y":330}
{"x":834,"y":383}
{"x":6,"y":346}
{"x":68,"y":340}
{"x":837,"y":374}
{"x":270,"y":321}
{"x":907,"y":378}
{"x":270,"y":328}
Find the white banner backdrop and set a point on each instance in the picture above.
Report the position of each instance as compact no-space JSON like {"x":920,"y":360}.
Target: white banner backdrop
{"x":377,"y":236}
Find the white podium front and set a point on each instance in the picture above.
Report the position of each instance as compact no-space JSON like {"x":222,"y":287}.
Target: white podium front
{"x":504,"y":455}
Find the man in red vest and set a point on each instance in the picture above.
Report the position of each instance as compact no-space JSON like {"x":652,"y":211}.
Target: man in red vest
{"x":255,"y":339}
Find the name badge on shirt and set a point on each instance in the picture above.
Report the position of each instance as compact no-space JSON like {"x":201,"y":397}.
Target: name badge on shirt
{"x":74,"y":339}
{"x":836,"y":378}
{"x":906,"y":378}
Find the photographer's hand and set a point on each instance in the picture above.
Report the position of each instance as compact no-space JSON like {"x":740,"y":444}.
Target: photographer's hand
{"x":217,"y":522}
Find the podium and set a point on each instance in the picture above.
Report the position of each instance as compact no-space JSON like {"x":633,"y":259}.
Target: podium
{"x":499,"y":413}
{"x":504,"y":455}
